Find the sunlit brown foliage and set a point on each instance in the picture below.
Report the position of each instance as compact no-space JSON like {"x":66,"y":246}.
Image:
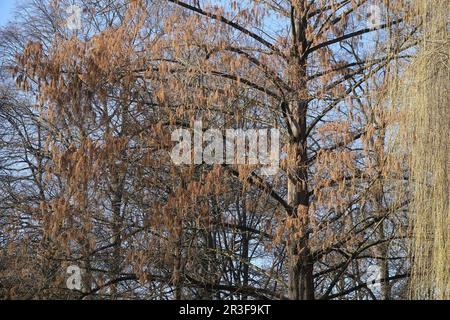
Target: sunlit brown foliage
{"x":109,"y":198}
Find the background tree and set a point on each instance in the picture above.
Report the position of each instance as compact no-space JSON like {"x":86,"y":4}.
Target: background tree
{"x":103,"y":101}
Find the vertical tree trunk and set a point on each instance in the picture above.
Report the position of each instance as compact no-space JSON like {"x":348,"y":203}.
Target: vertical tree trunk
{"x":116,"y":266}
{"x":384,"y":265}
{"x":245,"y":260}
{"x":382,"y":249}
{"x":178,"y":288}
{"x":300,"y":264}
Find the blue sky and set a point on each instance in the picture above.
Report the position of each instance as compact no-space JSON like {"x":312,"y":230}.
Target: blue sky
{"x":6,"y":7}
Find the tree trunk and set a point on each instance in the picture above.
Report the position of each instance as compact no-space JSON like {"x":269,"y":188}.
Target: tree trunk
{"x":116,"y":265}
{"x":300,"y":264}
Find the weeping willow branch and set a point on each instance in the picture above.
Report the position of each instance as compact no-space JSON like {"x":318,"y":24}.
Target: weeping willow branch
{"x":425,"y":97}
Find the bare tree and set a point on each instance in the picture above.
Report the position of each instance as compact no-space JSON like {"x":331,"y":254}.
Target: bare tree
{"x":105,"y":194}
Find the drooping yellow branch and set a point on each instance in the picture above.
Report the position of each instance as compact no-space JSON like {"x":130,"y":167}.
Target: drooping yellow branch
{"x":425,"y":97}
